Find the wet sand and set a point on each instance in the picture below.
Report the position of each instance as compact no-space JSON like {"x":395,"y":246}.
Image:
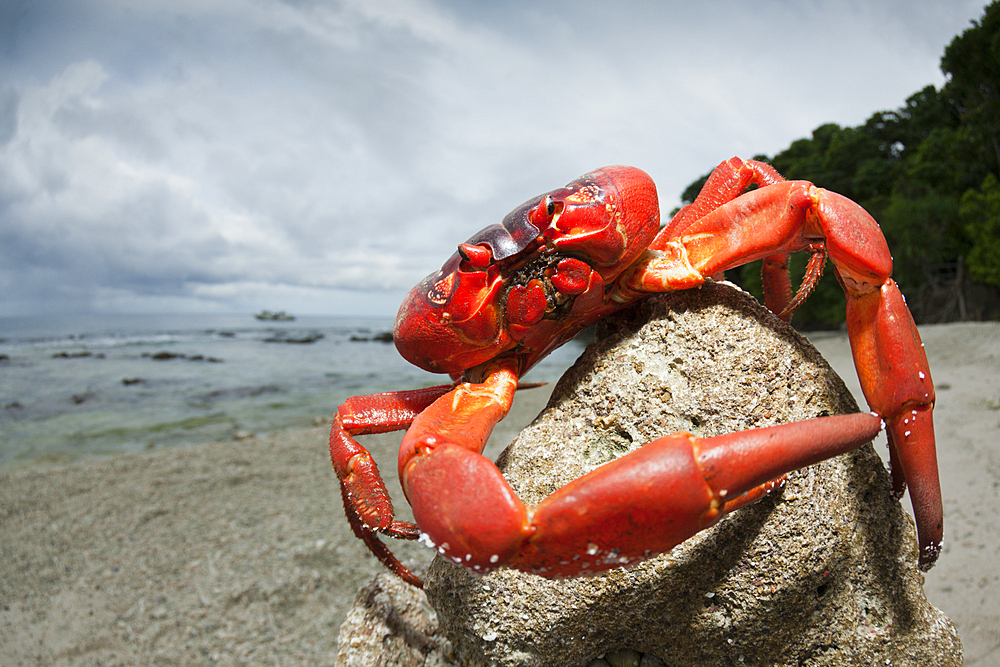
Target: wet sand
{"x":238,"y":553}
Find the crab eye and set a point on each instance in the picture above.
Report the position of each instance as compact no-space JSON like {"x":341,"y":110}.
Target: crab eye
{"x":478,"y":256}
{"x":546,"y":212}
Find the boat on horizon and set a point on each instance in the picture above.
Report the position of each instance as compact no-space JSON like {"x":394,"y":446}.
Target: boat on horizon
{"x":279,"y":316}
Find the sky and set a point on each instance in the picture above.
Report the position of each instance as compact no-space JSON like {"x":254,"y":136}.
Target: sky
{"x":321,"y":157}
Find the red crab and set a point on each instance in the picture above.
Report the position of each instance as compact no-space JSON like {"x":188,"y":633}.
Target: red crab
{"x":517,"y":290}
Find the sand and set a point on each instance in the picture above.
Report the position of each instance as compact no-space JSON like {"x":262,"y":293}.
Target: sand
{"x":238,"y":553}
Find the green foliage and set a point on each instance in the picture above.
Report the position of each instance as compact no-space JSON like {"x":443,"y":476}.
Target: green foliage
{"x":972,"y":64}
{"x":926,"y":171}
{"x":980,"y":213}
{"x":923,"y":231}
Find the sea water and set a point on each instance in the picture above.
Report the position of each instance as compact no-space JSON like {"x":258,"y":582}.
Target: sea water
{"x":87,"y":385}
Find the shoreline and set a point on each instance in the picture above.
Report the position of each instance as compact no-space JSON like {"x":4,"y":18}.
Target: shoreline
{"x":235,"y":552}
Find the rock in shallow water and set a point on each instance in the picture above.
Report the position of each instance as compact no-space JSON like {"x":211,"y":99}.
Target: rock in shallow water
{"x":822,"y":572}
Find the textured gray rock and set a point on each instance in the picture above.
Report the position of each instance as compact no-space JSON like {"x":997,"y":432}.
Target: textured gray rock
{"x":391,"y":624}
{"x":821,"y":572}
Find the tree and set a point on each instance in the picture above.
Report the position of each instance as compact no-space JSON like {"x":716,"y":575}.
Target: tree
{"x":972,"y":64}
{"x":980,"y":213}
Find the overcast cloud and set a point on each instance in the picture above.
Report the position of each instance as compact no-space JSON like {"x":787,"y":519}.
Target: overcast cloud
{"x":322,"y":157}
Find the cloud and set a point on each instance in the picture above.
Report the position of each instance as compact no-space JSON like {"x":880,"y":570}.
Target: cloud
{"x":224,"y":155}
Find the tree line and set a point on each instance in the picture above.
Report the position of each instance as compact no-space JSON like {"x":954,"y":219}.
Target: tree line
{"x":929,"y":173}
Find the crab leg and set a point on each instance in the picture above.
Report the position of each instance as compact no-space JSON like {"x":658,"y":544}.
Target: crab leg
{"x":366,"y":500}
{"x":727,"y":182}
{"x":897,"y":384}
{"x":788,"y":216}
{"x":642,"y":504}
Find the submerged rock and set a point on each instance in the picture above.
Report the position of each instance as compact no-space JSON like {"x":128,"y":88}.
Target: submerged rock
{"x":821,"y":572}
{"x":285,"y":337}
{"x":383,"y":337}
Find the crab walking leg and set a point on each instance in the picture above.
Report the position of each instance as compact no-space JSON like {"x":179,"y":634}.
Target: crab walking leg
{"x":627,"y":510}
{"x":897,"y":384}
{"x":768,"y":222}
{"x":777,"y":287}
{"x":727,"y":182}
{"x":795,"y":215}
{"x":366,"y":500}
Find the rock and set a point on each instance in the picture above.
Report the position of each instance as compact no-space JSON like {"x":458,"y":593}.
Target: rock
{"x":284,"y":337}
{"x":383,"y":337}
{"x":74,"y":355}
{"x":391,"y":623}
{"x":163,"y":356}
{"x":820,"y":572}
{"x":82,"y":398}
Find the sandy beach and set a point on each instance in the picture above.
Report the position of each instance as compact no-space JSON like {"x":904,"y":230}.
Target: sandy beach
{"x":238,"y":553}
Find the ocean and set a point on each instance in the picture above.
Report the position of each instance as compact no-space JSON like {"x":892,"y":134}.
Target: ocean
{"x":79,"y":386}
